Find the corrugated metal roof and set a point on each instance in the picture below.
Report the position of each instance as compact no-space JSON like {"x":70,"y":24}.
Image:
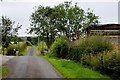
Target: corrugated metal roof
{"x":102,"y":25}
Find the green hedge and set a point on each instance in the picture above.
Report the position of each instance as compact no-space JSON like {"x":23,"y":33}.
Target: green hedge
{"x":59,"y":47}
{"x":42,"y":46}
{"x":106,"y":62}
{"x":18,"y":47}
{"x":92,"y":44}
{"x":95,"y":44}
{"x":89,"y":45}
{"x":75,"y":53}
{"x":94,"y":52}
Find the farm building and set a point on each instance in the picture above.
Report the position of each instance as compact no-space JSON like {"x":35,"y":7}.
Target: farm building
{"x":108,"y":30}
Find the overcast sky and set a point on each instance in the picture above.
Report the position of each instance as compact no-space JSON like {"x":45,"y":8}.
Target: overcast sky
{"x":20,"y":10}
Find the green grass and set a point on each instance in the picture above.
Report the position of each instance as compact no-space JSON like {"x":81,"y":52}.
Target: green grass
{"x":34,"y":46}
{"x":3,"y":72}
{"x":24,"y":53}
{"x":71,"y":69}
{"x":5,"y":52}
{"x":38,"y":53}
{"x":0,"y":47}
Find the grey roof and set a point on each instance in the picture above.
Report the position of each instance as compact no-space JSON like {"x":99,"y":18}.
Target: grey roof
{"x":102,"y":25}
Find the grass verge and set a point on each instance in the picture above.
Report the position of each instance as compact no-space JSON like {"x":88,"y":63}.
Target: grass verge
{"x":71,"y":69}
{"x":3,"y":72}
{"x":24,"y":53}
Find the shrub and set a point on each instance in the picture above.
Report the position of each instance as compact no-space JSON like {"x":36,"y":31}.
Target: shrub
{"x":95,"y":44}
{"x":106,"y":62}
{"x":59,"y":47}
{"x":89,"y":45}
{"x":94,"y":52}
{"x":18,"y":47}
{"x":28,"y":43}
{"x":74,"y":53}
{"x":42,"y":46}
{"x":11,"y":46}
{"x":10,"y":49}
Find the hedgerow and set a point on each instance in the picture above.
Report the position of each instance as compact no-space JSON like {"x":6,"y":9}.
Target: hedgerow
{"x":42,"y":46}
{"x":17,"y":47}
{"x":95,"y":52}
{"x":59,"y":47}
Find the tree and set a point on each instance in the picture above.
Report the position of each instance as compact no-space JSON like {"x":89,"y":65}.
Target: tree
{"x":29,"y":39}
{"x":8,"y":30}
{"x":34,"y":40}
{"x":63,"y":19}
{"x":16,"y":39}
{"x":42,"y":24}
{"x":69,"y":19}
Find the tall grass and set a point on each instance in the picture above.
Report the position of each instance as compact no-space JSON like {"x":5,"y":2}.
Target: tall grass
{"x":106,"y":62}
{"x":95,"y":44}
{"x":59,"y":47}
{"x":70,"y":69}
{"x":24,"y":53}
{"x":41,"y":47}
{"x":3,"y":72}
{"x":95,"y":52}
{"x":18,"y":47}
{"x":92,"y":44}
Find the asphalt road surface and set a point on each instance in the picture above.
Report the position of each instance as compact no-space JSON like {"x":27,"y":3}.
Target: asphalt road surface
{"x":30,"y":66}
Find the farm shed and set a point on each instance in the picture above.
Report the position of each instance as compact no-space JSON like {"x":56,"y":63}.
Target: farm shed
{"x":108,"y":30}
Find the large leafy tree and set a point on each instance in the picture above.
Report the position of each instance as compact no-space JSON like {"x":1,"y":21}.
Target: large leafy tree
{"x":16,"y":39}
{"x":8,"y":30}
{"x":42,"y":23}
{"x":64,"y":19}
{"x":70,"y":18}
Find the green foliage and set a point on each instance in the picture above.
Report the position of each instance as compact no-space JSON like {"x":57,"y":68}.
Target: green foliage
{"x":28,"y":43}
{"x":8,"y":29}
{"x":94,"y":44}
{"x":16,"y":39}
{"x":24,"y":53}
{"x":42,"y":46}
{"x":63,"y":19}
{"x":19,"y":47}
{"x":22,"y":46}
{"x":89,"y":45}
{"x":29,"y":39}
{"x":94,"y":52}
{"x":11,"y":46}
{"x":75,"y":53}
{"x":34,"y":40}
{"x":3,"y":72}
{"x":106,"y":62}
{"x":59,"y":47}
{"x":71,"y":69}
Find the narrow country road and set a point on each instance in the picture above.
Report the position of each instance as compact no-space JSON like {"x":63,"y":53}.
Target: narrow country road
{"x":30,"y":66}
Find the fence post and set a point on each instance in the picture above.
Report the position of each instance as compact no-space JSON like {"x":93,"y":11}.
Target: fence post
{"x":73,"y":36}
{"x":78,"y":34}
{"x":102,"y":67}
